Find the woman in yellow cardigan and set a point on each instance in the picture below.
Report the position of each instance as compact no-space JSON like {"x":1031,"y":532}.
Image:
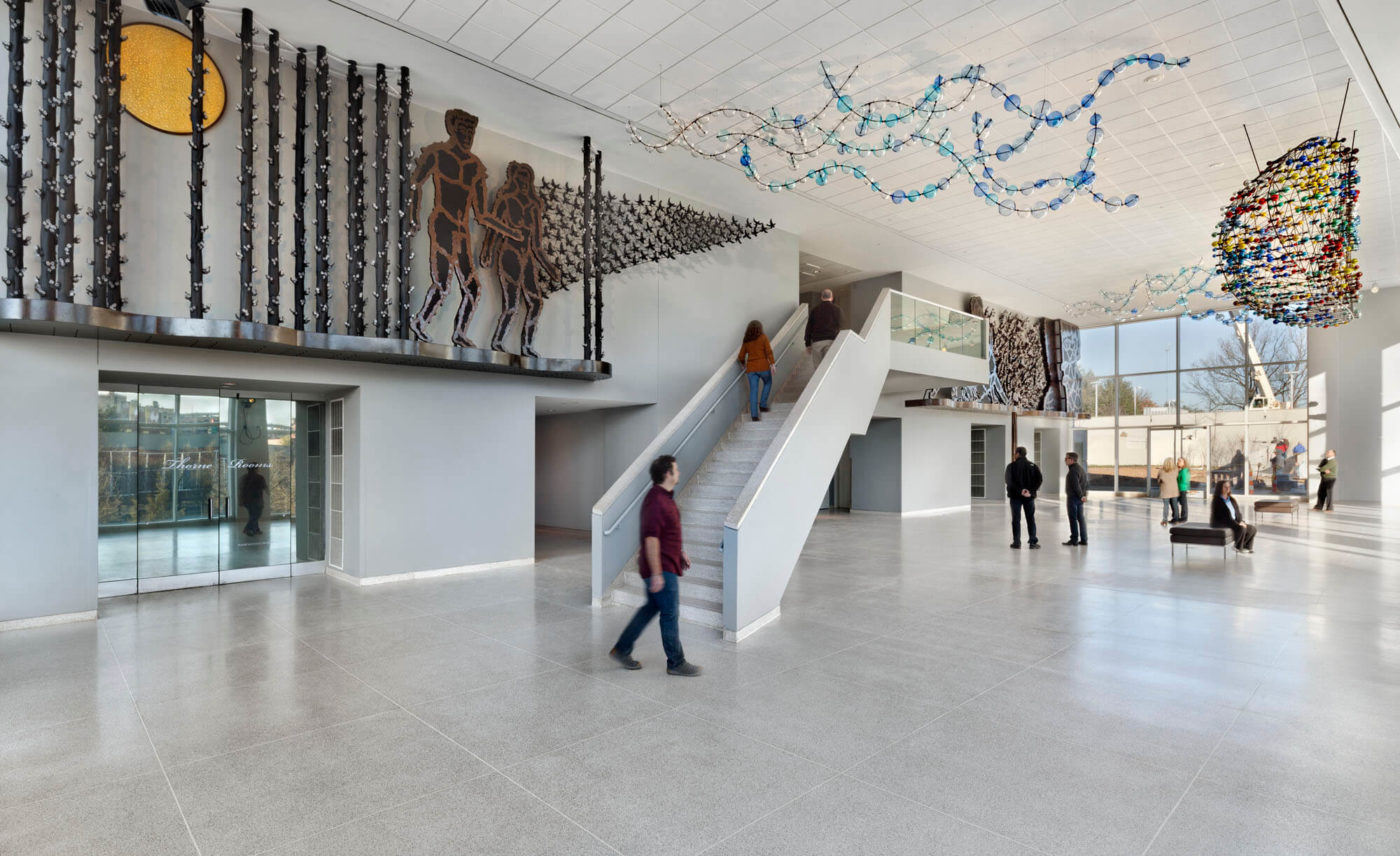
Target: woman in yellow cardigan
{"x":756,"y":355}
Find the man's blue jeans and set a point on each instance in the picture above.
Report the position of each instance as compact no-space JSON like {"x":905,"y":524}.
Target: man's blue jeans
{"x":1077,"y":531}
{"x":667,"y":603}
{"x":755,"y":378}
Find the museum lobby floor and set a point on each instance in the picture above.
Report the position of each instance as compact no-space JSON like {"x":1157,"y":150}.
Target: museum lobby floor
{"x":927,"y":690}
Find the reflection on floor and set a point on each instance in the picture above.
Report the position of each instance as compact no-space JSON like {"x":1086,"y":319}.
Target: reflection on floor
{"x":926,"y":690}
{"x":192,"y":549}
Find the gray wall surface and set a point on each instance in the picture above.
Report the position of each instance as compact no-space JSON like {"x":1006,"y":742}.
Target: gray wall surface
{"x":48,"y":509}
{"x":876,"y":467}
{"x":937,"y":461}
{"x":1354,"y":378}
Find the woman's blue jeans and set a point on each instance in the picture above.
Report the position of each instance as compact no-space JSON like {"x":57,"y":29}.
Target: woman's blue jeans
{"x":755,"y":378}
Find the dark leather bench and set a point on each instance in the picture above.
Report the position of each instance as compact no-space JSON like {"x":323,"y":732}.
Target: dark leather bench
{"x":1276,"y":506}
{"x":1202,"y":536}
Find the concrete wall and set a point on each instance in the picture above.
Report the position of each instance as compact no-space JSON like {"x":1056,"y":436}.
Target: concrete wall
{"x":877,"y":467}
{"x":1354,"y":379}
{"x":48,"y":508}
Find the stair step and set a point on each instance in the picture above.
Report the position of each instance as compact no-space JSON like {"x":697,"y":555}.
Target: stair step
{"x":735,"y":480}
{"x":707,"y":491}
{"x":693,"y":589}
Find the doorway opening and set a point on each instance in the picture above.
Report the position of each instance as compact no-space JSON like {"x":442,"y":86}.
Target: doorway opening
{"x":200,"y":486}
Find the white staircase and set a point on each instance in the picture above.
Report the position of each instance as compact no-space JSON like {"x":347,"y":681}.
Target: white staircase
{"x":709,"y":496}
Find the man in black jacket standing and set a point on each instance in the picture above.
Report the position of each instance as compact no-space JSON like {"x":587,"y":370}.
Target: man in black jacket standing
{"x":823,"y":323}
{"x":1022,"y":481}
{"x":1076,"y":488}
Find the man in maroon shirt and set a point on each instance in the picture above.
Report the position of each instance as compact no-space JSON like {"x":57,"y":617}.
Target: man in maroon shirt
{"x":662,"y":561}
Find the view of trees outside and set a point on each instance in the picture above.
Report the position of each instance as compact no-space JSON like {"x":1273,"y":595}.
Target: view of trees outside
{"x":1233,"y":403}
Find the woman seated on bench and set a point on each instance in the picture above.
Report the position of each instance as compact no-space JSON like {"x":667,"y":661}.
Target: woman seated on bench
{"x":1225,"y":513}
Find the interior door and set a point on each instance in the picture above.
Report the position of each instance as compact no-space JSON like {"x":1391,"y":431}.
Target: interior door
{"x":258,"y":483}
{"x":178,"y":502}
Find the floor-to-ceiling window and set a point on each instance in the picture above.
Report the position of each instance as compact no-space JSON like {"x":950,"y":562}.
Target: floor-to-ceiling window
{"x":1230,"y":398}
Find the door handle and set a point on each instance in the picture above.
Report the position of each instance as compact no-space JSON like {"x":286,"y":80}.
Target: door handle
{"x":226,"y":506}
{"x":209,"y":508}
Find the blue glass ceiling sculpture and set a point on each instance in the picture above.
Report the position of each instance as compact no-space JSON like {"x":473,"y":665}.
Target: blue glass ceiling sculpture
{"x":1160,"y":293}
{"x":841,"y":126}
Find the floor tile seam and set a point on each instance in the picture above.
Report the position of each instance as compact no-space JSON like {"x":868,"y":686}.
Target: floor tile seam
{"x":945,"y":813}
{"x":1205,"y":763}
{"x":522,"y":678}
{"x":834,"y":776}
{"x":582,"y":740}
{"x":285,"y":737}
{"x":377,"y":812}
{"x":835,"y":771}
{"x":490,"y":766}
{"x":487,"y":686}
{"x":430,"y":646}
{"x":169,"y":786}
{"x":1392,"y":829}
{"x":213,"y":689}
{"x":960,"y":705}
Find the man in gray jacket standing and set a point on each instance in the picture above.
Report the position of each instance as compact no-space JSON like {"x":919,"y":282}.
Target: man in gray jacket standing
{"x":1076,"y":488}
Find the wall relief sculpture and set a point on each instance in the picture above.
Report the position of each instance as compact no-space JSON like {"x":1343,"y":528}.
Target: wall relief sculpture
{"x":1020,"y":358}
{"x":521,"y":268}
{"x":1070,"y":378}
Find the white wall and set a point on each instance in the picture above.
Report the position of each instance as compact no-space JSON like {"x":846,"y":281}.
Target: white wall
{"x":1354,"y":378}
{"x":937,"y":461}
{"x":48,"y":509}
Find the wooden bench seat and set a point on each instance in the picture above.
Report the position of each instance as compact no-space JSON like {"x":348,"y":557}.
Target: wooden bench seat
{"x":1276,"y":506}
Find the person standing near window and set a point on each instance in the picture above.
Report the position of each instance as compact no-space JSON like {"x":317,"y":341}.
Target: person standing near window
{"x":1168,"y":490}
{"x":1328,"y":470}
{"x":1183,"y":484}
{"x":756,"y":356}
{"x":1076,"y":488}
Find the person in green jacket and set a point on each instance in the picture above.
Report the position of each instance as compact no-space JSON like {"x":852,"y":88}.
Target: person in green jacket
{"x":1328,"y":470}
{"x":1183,"y":484}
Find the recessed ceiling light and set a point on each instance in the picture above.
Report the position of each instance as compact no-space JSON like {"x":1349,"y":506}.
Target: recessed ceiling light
{"x":1152,"y":78}
{"x":1217,"y":165}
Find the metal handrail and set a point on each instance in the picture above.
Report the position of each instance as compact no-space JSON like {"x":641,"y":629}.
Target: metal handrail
{"x":719,"y":399}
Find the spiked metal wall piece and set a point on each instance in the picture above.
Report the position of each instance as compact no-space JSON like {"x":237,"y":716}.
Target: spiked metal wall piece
{"x":274,"y":179}
{"x":247,"y":170}
{"x":323,"y":192}
{"x":355,"y":219}
{"x":67,"y":148}
{"x":299,"y":198}
{"x":107,"y":194}
{"x":596,"y":222}
{"x":14,"y":153}
{"x":381,"y":201}
{"x":405,"y":291}
{"x":48,"y":159}
{"x":588,"y":249}
{"x":197,"y":71}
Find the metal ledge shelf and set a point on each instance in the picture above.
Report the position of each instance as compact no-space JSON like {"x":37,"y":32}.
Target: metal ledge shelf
{"x":24,"y":315}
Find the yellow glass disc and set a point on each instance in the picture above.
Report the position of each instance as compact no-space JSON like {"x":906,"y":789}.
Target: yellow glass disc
{"x":156,"y":62}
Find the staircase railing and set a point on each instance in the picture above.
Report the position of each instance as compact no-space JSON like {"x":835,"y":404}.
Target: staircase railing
{"x":690,"y":436}
{"x":766,"y":529}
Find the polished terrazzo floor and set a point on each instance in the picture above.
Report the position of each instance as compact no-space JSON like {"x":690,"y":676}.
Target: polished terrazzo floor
{"x":927,"y":691}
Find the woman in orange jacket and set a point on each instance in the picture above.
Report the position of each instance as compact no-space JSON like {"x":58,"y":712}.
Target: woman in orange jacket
{"x":756,"y":356}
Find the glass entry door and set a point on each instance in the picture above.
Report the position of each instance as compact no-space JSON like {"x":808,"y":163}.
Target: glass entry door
{"x":198,"y":487}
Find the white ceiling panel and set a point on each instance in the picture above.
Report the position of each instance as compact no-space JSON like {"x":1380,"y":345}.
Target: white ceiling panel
{"x":1177,"y":141}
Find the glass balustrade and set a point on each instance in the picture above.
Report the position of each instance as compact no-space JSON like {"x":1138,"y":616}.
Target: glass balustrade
{"x":928,"y":325}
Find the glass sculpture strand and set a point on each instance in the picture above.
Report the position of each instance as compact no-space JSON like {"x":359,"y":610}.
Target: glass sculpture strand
{"x":1159,"y":293}
{"x":1286,"y":245}
{"x":830,"y":128}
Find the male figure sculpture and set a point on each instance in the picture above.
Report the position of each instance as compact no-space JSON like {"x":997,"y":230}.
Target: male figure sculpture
{"x":519,"y":264}
{"x":459,"y":183}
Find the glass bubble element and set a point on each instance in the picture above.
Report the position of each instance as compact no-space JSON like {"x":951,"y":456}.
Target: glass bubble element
{"x":1054,"y":119}
{"x":1005,"y":151}
{"x":897,"y":197}
{"x":1112,"y":203}
{"x":1039,"y":209}
{"x":1094,"y":135}
{"x":1006,"y":207}
{"x":930,"y":190}
{"x":1105,"y":77}
{"x":1012,"y":102}
{"x":843,"y":104}
{"x":1155,"y":60}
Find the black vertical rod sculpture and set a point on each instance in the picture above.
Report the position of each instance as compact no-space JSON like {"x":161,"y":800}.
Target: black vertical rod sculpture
{"x":598,"y":232}
{"x":274,"y":179}
{"x":355,"y":219}
{"x":588,"y":248}
{"x":67,"y":148}
{"x":299,"y":198}
{"x":101,"y":123}
{"x":247,"y":294}
{"x":323,"y":191}
{"x":405,"y":290}
{"x":14,"y":154}
{"x":112,"y":255}
{"x":197,"y":72}
{"x":48,"y":175}
{"x":381,"y":201}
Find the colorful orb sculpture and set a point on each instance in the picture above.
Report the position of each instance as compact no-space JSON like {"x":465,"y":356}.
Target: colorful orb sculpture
{"x":1286,"y":246}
